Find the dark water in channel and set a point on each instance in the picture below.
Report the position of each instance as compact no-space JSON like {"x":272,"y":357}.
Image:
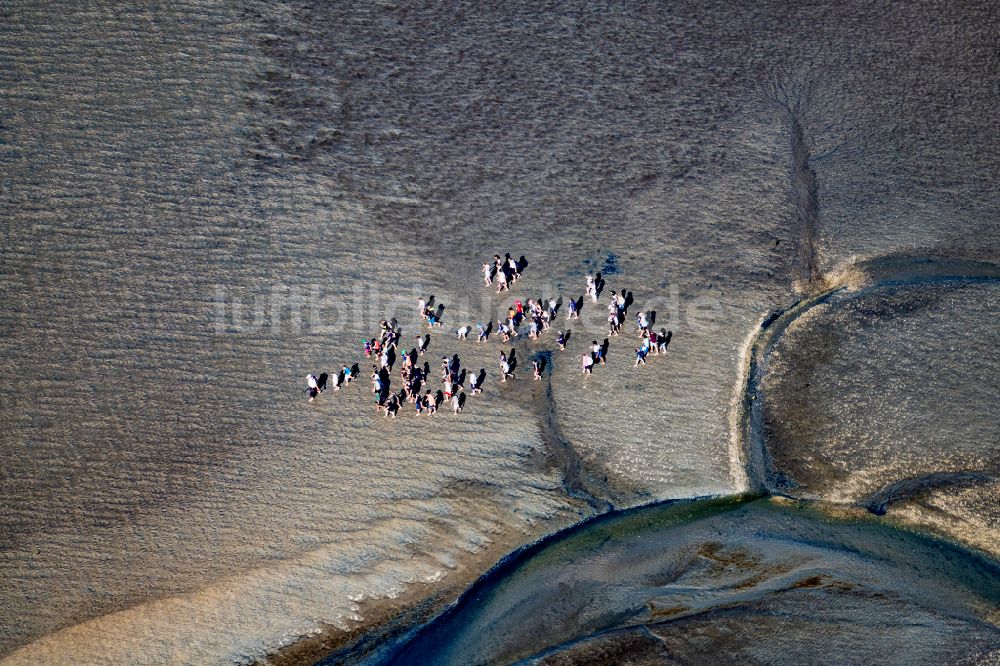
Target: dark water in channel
{"x":725,"y":580}
{"x":166,"y":494}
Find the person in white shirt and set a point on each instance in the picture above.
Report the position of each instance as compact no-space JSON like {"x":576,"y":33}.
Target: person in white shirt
{"x":502,"y":281}
{"x":313,"y":387}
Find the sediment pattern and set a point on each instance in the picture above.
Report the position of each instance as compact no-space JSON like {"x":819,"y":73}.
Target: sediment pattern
{"x":731,"y":580}
{"x":167,"y":495}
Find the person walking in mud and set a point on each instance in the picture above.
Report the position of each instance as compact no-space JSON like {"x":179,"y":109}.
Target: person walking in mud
{"x":533,"y":329}
{"x":640,"y":355}
{"x":561,"y":341}
{"x":515,"y":270}
{"x":642,"y":322}
{"x":614,"y":324}
{"x":475,"y":384}
{"x":586,"y":363}
{"x":505,"y":369}
{"x":488,"y":271}
{"x":598,"y":352}
{"x":312,"y":387}
{"x":536,"y":369}
{"x":662,"y":340}
{"x":392,"y":406}
{"x":502,"y":281}
{"x":422,"y":342}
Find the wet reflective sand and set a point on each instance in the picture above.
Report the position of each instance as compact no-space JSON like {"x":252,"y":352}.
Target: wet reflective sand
{"x":888,"y":397}
{"x":167,"y":494}
{"x":760,"y":581}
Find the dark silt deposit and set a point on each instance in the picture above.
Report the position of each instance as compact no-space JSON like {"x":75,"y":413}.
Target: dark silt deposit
{"x":722,"y":580}
{"x":761,"y":580}
{"x":203,"y":201}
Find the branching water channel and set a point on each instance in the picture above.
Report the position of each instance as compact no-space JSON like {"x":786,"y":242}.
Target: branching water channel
{"x":620,"y":534}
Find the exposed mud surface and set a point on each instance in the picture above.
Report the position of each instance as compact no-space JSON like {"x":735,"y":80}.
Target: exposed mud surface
{"x":167,"y":494}
{"x":887,"y":395}
{"x":753,"y":581}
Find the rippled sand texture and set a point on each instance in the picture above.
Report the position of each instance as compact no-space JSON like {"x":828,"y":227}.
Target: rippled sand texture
{"x":154,"y":467}
{"x":166,"y":492}
{"x":889,"y":396}
{"x":758,"y":583}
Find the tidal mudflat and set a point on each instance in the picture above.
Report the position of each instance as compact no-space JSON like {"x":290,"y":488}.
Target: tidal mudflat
{"x":202,"y":202}
{"x":763,"y":581}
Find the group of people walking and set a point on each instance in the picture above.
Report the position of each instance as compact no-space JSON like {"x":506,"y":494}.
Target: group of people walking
{"x":651,"y":341}
{"x":415,"y":377}
{"x":316,"y":385}
{"x":538,"y":314}
{"x":504,"y":271}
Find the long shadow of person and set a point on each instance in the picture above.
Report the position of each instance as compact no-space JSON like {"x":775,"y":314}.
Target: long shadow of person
{"x":461,"y":377}
{"x":481,"y":378}
{"x":355,"y":370}
{"x":629,"y":300}
{"x":652,"y":317}
{"x":543,"y":358}
{"x":438,"y":398}
{"x":488,"y":330}
{"x":391,"y":357}
{"x":522,"y":263}
{"x":598,"y":284}
{"x":512,"y":359}
{"x":666,"y":337}
{"x":604,"y":348}
{"x":461,"y":400}
{"x":579,"y":305}
{"x":566,"y":334}
{"x":322,"y":380}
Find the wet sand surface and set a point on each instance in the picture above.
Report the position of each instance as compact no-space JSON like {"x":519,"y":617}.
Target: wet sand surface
{"x":167,"y":494}
{"x":888,"y":396}
{"x":761,"y":581}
